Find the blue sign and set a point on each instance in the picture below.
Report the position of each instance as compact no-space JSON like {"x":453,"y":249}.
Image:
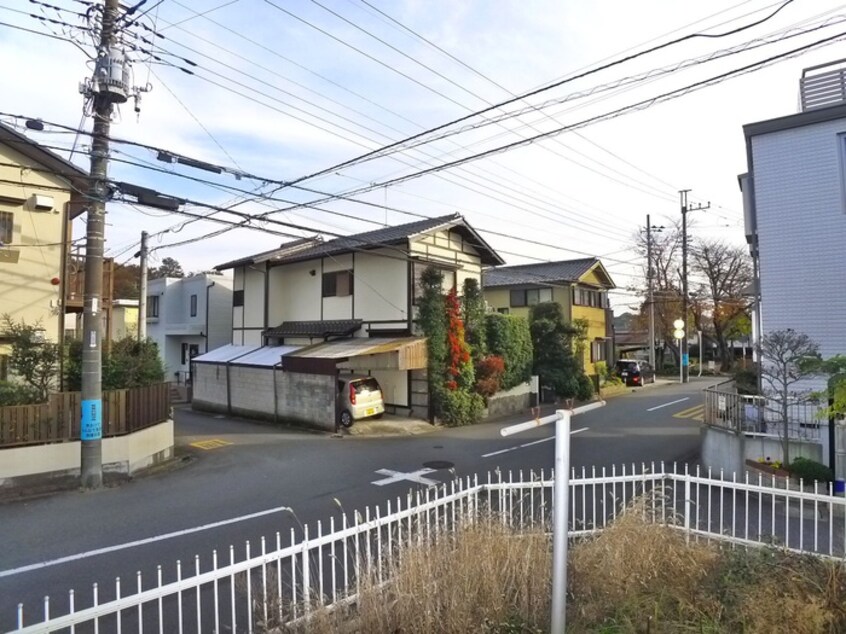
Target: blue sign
{"x":685,"y":359}
{"x":91,"y":427}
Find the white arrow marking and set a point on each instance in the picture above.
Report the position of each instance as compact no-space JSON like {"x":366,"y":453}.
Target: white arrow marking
{"x":399,"y":476}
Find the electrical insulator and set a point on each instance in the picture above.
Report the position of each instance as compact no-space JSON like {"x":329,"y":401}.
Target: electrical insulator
{"x":111,"y":76}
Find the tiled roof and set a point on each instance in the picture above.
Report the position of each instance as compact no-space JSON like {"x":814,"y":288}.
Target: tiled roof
{"x":387,"y":236}
{"x":328,"y":328}
{"x":550,"y":272}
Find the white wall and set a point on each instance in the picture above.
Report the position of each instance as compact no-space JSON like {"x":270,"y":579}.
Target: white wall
{"x":799,"y":180}
{"x":381,"y":286}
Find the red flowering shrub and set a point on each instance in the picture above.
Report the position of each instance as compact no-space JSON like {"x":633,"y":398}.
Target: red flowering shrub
{"x":489,"y":373}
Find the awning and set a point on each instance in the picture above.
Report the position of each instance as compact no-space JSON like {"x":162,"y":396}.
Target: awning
{"x":375,"y":353}
{"x":224,"y":354}
{"x":314,"y":329}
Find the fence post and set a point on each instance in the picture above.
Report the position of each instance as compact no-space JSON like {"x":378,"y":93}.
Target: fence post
{"x":687,"y":503}
{"x":559,"y":523}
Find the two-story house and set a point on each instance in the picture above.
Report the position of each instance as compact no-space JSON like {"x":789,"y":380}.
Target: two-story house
{"x":40,"y":194}
{"x":580,"y":287}
{"x":794,"y":198}
{"x":187,"y":317}
{"x":326,"y":295}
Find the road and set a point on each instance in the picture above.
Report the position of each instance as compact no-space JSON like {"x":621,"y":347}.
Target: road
{"x":253,"y":480}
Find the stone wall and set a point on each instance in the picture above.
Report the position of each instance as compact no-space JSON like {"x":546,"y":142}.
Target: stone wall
{"x":513,"y":401}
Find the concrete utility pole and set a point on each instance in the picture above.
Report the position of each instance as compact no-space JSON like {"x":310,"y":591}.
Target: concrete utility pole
{"x":684,"y":353}
{"x":102,"y":90}
{"x":142,"y":292}
{"x":650,"y":292}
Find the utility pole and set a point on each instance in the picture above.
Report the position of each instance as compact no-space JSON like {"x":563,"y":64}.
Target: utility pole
{"x":684,"y":354}
{"x":142,"y":292}
{"x":650,"y":286}
{"x":104,"y":89}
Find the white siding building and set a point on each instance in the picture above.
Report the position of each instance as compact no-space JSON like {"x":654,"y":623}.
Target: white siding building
{"x":187,"y":317}
{"x":795,"y":212}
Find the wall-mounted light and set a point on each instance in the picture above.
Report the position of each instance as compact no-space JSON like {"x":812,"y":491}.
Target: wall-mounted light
{"x":312,"y":272}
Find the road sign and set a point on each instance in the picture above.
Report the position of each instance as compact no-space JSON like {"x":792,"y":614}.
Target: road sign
{"x":721,"y":403}
{"x":678,"y":334}
{"x":685,"y":359}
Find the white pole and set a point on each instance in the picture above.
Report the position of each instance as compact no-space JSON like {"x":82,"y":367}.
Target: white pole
{"x":681,"y":361}
{"x":559,"y":522}
{"x":701,"y":354}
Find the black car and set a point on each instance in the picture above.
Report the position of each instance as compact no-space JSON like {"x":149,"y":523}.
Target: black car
{"x":634,"y":372}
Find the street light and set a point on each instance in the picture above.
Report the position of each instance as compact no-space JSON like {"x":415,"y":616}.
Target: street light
{"x":678,"y":333}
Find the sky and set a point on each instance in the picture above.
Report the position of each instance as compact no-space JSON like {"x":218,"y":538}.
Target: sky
{"x":279,"y":90}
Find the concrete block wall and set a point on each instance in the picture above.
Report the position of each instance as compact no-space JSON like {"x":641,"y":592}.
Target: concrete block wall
{"x":726,"y":451}
{"x":512,"y":401}
{"x":307,"y":399}
{"x":251,"y":391}
{"x":209,"y":387}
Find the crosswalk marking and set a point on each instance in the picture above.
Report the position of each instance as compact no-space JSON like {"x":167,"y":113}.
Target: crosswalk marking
{"x":214,"y":443}
{"x":695,"y":413}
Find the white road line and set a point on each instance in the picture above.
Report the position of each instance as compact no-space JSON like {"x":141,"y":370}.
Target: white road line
{"x":529,"y":444}
{"x":681,"y":400}
{"x":140,"y":542}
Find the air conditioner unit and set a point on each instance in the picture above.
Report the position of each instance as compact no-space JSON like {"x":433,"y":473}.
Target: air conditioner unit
{"x":39,"y":202}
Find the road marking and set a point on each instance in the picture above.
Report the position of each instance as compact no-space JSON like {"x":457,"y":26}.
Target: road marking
{"x":139,"y":542}
{"x":214,"y":443}
{"x":681,"y":400}
{"x":399,"y":476}
{"x":529,"y":444}
{"x":696,"y":413}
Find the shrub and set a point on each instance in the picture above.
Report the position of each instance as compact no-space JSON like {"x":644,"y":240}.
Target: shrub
{"x":461,"y":407}
{"x":509,"y":337}
{"x":746,"y":380}
{"x":585,"y":390}
{"x":18,"y":394}
{"x":810,"y":470}
{"x":489,"y":372}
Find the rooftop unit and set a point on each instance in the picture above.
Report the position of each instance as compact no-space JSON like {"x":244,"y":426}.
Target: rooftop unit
{"x":823,"y":85}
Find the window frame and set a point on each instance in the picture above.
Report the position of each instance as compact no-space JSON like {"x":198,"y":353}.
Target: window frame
{"x":417,"y":269}
{"x":524,"y":294}
{"x":331,"y":281}
{"x":238,"y":299}
{"x":193,"y":307}
{"x":152,"y":307}
{"x":7,"y":227}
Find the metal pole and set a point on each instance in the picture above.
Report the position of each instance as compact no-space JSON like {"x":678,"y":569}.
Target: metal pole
{"x":701,"y":354}
{"x":683,"y":351}
{"x":650,"y":298}
{"x":91,"y":427}
{"x":681,"y":366}
{"x":559,"y":522}
{"x":142,"y":292}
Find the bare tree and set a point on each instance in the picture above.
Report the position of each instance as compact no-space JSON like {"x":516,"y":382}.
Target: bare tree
{"x":787,"y":358}
{"x":727,"y":270}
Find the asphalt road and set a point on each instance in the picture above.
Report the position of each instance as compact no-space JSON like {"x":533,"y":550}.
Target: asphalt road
{"x":241,"y":487}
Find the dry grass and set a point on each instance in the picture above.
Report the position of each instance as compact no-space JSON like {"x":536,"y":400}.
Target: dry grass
{"x":635,"y":577}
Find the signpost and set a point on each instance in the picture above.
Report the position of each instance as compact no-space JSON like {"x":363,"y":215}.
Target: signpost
{"x":560,"y":496}
{"x":678,"y":333}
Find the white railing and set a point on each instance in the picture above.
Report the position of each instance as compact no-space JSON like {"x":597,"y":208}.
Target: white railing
{"x":279,"y":584}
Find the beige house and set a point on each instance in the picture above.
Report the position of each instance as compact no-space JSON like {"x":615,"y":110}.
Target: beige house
{"x":320,"y":294}
{"x":40,"y":194}
{"x":579,"y":286}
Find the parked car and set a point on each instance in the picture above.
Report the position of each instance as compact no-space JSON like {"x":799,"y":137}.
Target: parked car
{"x":359,"y":397}
{"x":634,"y":372}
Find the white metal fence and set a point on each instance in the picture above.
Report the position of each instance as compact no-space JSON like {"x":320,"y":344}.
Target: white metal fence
{"x":322,"y":565}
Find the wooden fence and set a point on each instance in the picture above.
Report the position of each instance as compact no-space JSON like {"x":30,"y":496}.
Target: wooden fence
{"x":124,"y":411}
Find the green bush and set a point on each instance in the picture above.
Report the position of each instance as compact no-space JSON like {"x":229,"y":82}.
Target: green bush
{"x":585,"y":390}
{"x":18,"y":394}
{"x":128,"y":364}
{"x":810,"y":470}
{"x":746,"y":380}
{"x":461,"y":407}
{"x":508,"y":336}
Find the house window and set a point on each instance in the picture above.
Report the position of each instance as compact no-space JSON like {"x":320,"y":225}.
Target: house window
{"x":7,"y":219}
{"x":587,"y":297}
{"x":184,"y":353}
{"x":189,"y":351}
{"x":530,"y":296}
{"x":193,"y":305}
{"x":237,"y":298}
{"x":338,"y":284}
{"x":597,"y":351}
{"x":502,"y":311}
{"x":419,"y":267}
{"x":152,"y":305}
{"x":4,"y":367}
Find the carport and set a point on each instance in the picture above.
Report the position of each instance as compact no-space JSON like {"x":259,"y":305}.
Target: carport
{"x":399,"y":364}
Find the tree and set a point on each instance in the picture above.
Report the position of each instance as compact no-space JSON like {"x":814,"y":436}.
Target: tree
{"x":473,"y":313}
{"x":787,"y":357}
{"x":727,"y":270}
{"x":33,"y":360}
{"x":509,"y":337}
{"x":126,"y":281}
{"x":169,"y":268}
{"x":130,"y":363}
{"x":431,"y":318}
{"x":552,"y":340}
